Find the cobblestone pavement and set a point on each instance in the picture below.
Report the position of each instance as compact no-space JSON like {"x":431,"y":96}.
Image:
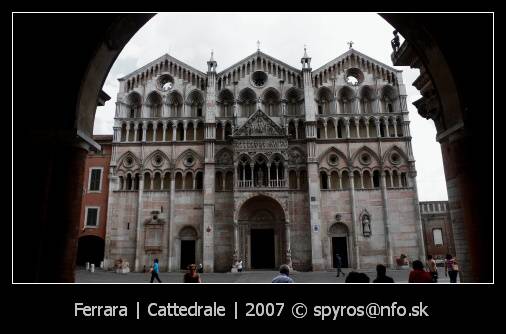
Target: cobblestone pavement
{"x":100,"y":276}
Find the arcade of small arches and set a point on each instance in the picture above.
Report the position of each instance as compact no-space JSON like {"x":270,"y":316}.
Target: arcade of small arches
{"x":168,"y":131}
{"x":344,"y":179}
{"x":369,"y":100}
{"x":231,"y":76}
{"x":149,"y":131}
{"x":156,"y":106}
{"x":354,"y":127}
{"x":168,"y":67}
{"x":329,"y":72}
{"x":161,"y":180}
{"x":261,"y":171}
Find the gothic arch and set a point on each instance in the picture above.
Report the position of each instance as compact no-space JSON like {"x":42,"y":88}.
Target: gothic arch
{"x":136,"y":161}
{"x":373,"y":154}
{"x":397,"y":149}
{"x":186,"y":153}
{"x":152,"y":154}
{"x":221,"y":157}
{"x":335,"y":150}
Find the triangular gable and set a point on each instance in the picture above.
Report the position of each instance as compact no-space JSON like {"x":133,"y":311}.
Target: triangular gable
{"x":160,"y":60}
{"x":259,"y":125}
{"x":355,"y":52}
{"x":254,"y":56}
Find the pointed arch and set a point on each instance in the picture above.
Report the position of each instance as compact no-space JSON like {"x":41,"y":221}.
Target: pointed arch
{"x":136,"y":160}
{"x":186,"y":153}
{"x":397,"y":149}
{"x":340,"y":154}
{"x":225,"y":156}
{"x":155,"y":152}
{"x":363,"y":149}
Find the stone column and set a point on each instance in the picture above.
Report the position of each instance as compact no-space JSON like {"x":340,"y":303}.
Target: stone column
{"x":127,"y":132}
{"x":395,"y":128}
{"x":325,"y":127}
{"x":164,"y":129}
{"x":174,"y":132}
{"x":268,"y":175}
{"x":185,"y":126}
{"x":236,"y":243}
{"x":144,"y":128}
{"x":288,"y":244}
{"x":139,"y":225}
{"x":347,"y":124}
{"x":155,"y":127}
{"x":357,"y":127}
{"x":377,"y":125}
{"x":172,"y":261}
{"x":388,"y":242}
{"x":355,"y":230}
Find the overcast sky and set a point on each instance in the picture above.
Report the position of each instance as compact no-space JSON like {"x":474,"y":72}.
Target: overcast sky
{"x":190,"y":37}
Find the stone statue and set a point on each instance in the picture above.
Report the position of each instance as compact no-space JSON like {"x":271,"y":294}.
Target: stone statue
{"x":366,"y":225}
{"x":395,"y":41}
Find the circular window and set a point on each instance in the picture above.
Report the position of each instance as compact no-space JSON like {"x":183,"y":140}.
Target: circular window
{"x":333,"y":159}
{"x":354,"y":77}
{"x":129,"y":161}
{"x":365,"y":158}
{"x":165,"y":82}
{"x":189,"y":161}
{"x":158,"y":160}
{"x":395,"y":158}
{"x":259,"y":78}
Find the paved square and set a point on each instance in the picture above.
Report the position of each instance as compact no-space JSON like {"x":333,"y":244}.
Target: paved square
{"x":100,"y":276}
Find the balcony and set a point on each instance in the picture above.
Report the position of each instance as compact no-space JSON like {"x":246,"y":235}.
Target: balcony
{"x":249,"y":185}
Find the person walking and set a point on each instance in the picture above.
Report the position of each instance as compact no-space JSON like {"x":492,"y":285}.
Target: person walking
{"x":154,"y":271}
{"x":192,"y":276}
{"x":239,"y":266}
{"x":381,"y":275}
{"x":451,"y":268}
{"x":418,"y":275}
{"x":339,"y":263}
{"x":284,"y":275}
{"x":432,"y":268}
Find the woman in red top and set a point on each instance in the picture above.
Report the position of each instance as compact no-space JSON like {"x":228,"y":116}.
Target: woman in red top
{"x":418,"y":275}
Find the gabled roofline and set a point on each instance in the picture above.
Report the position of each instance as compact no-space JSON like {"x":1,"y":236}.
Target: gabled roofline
{"x":353,"y":51}
{"x":159,"y":59}
{"x":255,"y":54}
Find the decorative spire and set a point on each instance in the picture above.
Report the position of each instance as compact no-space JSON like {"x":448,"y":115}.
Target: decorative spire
{"x":258,"y":45}
{"x":212,"y":54}
{"x":350,"y":43}
{"x":305,"y":52}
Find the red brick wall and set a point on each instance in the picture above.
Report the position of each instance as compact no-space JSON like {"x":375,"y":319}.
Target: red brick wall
{"x":97,"y":199}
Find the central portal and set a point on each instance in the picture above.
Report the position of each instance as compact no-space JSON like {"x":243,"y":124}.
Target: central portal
{"x":262,"y":249}
{"x":261,"y":233}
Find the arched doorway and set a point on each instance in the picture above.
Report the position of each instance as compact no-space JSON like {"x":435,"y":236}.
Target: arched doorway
{"x":90,"y":249}
{"x":339,"y":238}
{"x":188,"y":237}
{"x":262,"y":235}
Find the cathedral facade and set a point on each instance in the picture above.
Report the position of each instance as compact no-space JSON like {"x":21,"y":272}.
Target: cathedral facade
{"x":263,"y":163}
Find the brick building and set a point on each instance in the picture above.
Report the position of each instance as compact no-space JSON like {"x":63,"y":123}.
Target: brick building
{"x":437,"y":229}
{"x":92,"y":225}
